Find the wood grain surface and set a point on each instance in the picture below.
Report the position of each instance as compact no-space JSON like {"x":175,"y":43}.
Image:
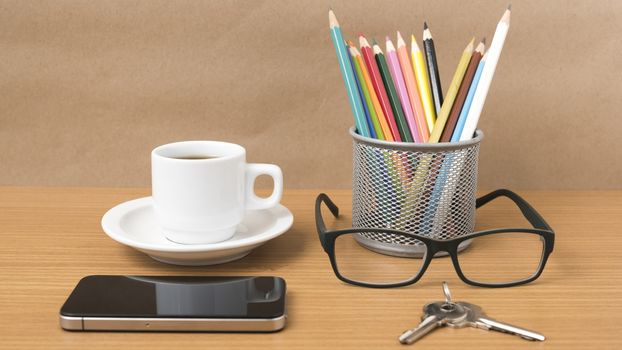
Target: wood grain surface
{"x":51,"y":237}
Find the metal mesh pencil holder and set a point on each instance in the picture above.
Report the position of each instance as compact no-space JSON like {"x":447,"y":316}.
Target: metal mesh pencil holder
{"x":427,"y":189}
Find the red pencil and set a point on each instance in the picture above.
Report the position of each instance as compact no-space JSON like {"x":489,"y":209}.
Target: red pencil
{"x":376,"y":79}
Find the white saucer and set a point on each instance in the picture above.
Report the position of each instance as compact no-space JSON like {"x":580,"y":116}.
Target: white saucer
{"x":133,"y":223}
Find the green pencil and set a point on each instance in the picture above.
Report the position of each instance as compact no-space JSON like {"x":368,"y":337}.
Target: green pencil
{"x":357,"y":60}
{"x":402,"y":126}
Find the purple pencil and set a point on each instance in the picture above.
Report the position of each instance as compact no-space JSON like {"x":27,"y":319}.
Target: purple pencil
{"x":400,"y":84}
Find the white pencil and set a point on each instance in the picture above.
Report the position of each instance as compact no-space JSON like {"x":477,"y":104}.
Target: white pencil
{"x":486,"y":78}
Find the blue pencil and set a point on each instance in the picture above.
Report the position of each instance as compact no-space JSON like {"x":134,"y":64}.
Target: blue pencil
{"x":372,"y":132}
{"x":348,"y":76}
{"x":455,"y":137}
{"x":445,"y":187}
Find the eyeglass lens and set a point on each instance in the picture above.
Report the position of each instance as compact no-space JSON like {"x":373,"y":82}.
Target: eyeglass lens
{"x":361,"y":264}
{"x":502,"y":257}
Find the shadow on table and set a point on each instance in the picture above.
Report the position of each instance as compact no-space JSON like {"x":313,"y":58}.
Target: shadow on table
{"x":270,"y":256}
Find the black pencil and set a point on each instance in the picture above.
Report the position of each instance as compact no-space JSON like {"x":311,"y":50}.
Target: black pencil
{"x":434,"y":76}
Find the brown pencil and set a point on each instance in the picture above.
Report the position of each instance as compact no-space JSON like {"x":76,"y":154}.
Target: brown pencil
{"x":462,"y":92}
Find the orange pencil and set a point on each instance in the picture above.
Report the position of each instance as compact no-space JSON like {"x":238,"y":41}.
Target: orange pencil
{"x":411,"y":87}
{"x":381,"y":93}
{"x":372,"y":94}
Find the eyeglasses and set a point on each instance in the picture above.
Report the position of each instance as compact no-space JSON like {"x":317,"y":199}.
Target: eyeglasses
{"x":492,"y":258}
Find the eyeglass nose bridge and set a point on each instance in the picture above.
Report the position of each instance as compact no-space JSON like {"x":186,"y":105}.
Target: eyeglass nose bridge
{"x":437,"y":250}
{"x":441,"y":252}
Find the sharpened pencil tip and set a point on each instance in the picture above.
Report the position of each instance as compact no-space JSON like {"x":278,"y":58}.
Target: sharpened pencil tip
{"x":332,"y":19}
{"x":373,"y":41}
{"x":506,"y":15}
{"x":426,"y":32}
{"x":390,"y":46}
{"x":481,"y":47}
{"x":414,"y":47}
{"x":363,"y":42}
{"x":400,"y":40}
{"x":469,"y":47}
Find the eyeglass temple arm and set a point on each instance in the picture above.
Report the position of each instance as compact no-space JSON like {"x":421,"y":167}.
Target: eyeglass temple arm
{"x":319,"y":220}
{"x":528,"y":211}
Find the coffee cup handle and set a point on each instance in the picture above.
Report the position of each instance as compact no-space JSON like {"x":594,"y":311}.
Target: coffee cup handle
{"x":253,"y":202}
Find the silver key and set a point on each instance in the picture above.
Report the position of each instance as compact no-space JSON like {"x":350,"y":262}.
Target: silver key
{"x":478,"y":319}
{"x":436,"y":315}
{"x":429,"y":323}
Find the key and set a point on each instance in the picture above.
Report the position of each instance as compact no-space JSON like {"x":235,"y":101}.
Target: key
{"x":436,"y":315}
{"x":477,"y":318}
{"x":429,"y":323}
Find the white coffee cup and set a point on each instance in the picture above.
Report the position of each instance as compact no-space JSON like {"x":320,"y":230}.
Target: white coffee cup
{"x":201,"y":189}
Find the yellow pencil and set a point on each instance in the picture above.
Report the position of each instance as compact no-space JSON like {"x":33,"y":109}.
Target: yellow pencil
{"x":386,"y":131}
{"x":423,"y":83}
{"x":441,"y":119}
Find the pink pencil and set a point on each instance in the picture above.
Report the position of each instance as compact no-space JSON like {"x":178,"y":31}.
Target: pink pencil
{"x":413,"y":91}
{"x":400,"y":85}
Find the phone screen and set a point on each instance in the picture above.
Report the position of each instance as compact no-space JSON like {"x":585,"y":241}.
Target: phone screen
{"x":182,"y":297}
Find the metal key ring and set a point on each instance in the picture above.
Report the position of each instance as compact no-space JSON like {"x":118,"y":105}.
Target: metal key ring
{"x":446,"y":292}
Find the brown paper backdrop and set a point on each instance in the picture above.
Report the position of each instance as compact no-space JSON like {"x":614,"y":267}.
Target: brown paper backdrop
{"x":88,"y":88}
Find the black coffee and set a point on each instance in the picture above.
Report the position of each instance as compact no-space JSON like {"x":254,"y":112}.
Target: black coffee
{"x":195,"y":157}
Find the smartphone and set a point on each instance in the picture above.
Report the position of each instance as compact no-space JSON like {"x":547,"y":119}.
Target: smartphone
{"x":175,"y":303}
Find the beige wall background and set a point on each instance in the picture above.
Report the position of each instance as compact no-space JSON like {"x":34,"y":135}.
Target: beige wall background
{"x":88,"y":88}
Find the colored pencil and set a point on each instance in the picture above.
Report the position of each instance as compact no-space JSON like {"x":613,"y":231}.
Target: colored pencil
{"x":377,"y":129}
{"x":447,"y":185}
{"x":398,"y":112}
{"x":441,"y":119}
{"x":435,"y":77}
{"x":348,"y":75}
{"x":462,"y":92}
{"x":381,"y":93}
{"x":413,"y":91}
{"x":423,"y":84}
{"x":402,"y":91}
{"x":359,"y":86}
{"x":486,"y":78}
{"x":382,"y":119}
{"x":455,"y":137}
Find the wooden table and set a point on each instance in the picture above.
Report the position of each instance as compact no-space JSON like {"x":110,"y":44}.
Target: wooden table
{"x":51,"y":237}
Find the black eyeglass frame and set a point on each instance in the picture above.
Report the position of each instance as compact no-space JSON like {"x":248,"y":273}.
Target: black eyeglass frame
{"x":540,"y":227}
